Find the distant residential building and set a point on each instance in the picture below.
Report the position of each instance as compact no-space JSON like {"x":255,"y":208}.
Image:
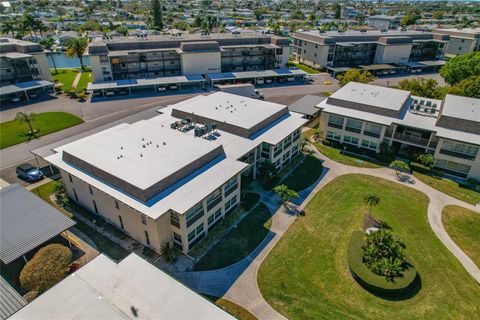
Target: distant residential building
{"x":384,"y":22}
{"x":368,"y":116}
{"x":356,"y":48}
{"x":130,"y":289}
{"x":462,"y":41}
{"x":174,"y":177}
{"x":170,"y":55}
{"x":24,"y":70}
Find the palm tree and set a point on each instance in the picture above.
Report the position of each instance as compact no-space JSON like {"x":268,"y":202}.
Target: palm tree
{"x":372,"y":200}
{"x":285,"y":193}
{"x":28,"y":23}
{"x":312,"y":18}
{"x":9,"y":26}
{"x":267,"y":170}
{"x":169,"y":252}
{"x":48,"y":43}
{"x":28,"y":118}
{"x":76,"y":47}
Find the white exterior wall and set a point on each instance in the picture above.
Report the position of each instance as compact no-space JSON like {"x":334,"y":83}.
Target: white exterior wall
{"x":97,"y":69}
{"x":459,"y":46}
{"x":393,"y":53}
{"x":201,"y":62}
{"x":313,"y":54}
{"x":285,"y":57}
{"x":342,"y":132}
{"x":43,"y":67}
{"x":474,"y":164}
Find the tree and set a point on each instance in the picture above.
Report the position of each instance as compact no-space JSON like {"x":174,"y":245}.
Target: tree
{"x":47,"y":44}
{"x":469,"y":87}
{"x":312,"y":19}
{"x":337,"y":11}
{"x":384,"y":255}
{"x":292,"y":27}
{"x":423,"y":87}
{"x":267,"y":170}
{"x":355,"y":75}
{"x":371,"y":200}
{"x":285,"y":193}
{"x":9,"y":26}
{"x":123,"y":30}
{"x":399,"y":166}
{"x":28,"y":23}
{"x":60,"y":193}
{"x":47,"y":267}
{"x":461,"y":67}
{"x":437,"y":15}
{"x":409,"y":19}
{"x":76,"y":47}
{"x":157,"y":14}
{"x":169,"y":253}
{"x":27,"y":118}
{"x":425,"y":158}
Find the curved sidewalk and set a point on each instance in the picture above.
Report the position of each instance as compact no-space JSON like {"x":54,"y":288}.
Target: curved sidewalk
{"x":238,"y":282}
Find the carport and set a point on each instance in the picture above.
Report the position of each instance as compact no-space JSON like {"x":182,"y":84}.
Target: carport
{"x":27,"y":222}
{"x":381,"y":69}
{"x":337,"y":70}
{"x":307,"y":105}
{"x":123,"y":87}
{"x":29,"y":90}
{"x":420,"y":66}
{"x":257,"y":77}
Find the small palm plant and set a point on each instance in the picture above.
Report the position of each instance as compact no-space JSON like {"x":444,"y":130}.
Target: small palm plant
{"x":169,"y":253}
{"x":28,"y":118}
{"x":371,"y":200}
{"x":285,"y":193}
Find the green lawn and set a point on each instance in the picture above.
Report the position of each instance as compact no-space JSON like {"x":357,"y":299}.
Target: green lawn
{"x":239,"y":242}
{"x":306,"y":275}
{"x":463,"y":226}
{"x":85,"y":78}
{"x":232,"y":308}
{"x":449,"y":187}
{"x":64,"y":76}
{"x":304,"y":67}
{"x":305,"y":174}
{"x":13,"y":132}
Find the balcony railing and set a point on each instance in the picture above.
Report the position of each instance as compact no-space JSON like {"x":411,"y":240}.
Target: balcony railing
{"x":335,"y":125}
{"x":409,"y":138}
{"x":371,"y":134}
{"x":352,"y":129}
{"x":457,"y":154}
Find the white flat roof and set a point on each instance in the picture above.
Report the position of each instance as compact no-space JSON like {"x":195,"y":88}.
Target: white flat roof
{"x":131,"y":289}
{"x":230,"y":108}
{"x":470,"y":108}
{"x":141,"y":153}
{"x":381,"y":97}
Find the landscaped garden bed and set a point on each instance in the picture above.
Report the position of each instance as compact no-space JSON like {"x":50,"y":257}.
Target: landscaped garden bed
{"x":240,"y":241}
{"x":306,"y":275}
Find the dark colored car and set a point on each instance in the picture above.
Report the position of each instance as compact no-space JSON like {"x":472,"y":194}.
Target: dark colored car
{"x":29,"y":173}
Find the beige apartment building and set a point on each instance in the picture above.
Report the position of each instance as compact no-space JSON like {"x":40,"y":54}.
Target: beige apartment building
{"x":462,"y":41}
{"x":173,"y":177}
{"x":373,"y":117}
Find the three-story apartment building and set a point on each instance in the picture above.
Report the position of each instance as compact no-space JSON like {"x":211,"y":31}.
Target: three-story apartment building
{"x":373,"y":117}
{"x":175,"y":176}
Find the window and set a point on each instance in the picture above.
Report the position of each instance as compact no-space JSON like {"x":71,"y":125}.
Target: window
{"x":191,"y":236}
{"x":230,"y":204}
{"x":121,"y":221}
{"x":199,"y":229}
{"x":116,"y":205}
{"x":174,"y":219}
{"x":369,"y":144}
{"x":333,"y":135}
{"x":460,"y":148}
{"x":372,"y":130}
{"x":213,"y":199}
{"x":144,"y":219}
{"x":177,"y":238}
{"x":75,"y":194}
{"x":90,"y":189}
{"x":277,"y":150}
{"x":287,"y":142}
{"x":335,"y":121}
{"x":70,"y":178}
{"x":231,"y":186}
{"x":354,"y":125}
{"x":195,"y":213}
{"x":95,"y":206}
{"x":147,"y":238}
{"x":215,"y":216}
{"x":195,"y":233}
{"x":452,"y":165}
{"x":350,"y":140}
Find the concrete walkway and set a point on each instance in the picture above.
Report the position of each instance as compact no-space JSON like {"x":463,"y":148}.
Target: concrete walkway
{"x":77,"y":79}
{"x":238,"y":282}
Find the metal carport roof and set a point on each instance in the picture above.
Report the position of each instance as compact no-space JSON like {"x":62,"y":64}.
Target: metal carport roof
{"x":23,"y":86}
{"x":10,"y":300}
{"x":306,"y":105}
{"x":26,"y":221}
{"x":144,"y":82}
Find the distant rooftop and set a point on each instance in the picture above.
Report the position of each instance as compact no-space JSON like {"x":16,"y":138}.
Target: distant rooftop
{"x":385,"y":17}
{"x":233,"y":113}
{"x":460,"y":113}
{"x":473,"y":33}
{"x":131,"y":289}
{"x":16,"y":45}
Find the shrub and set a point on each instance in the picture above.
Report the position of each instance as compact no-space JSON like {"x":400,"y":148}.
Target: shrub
{"x":169,"y":253}
{"x":81,"y":96}
{"x":436,"y":172}
{"x":377,"y":284}
{"x":425,"y":158}
{"x":72,"y":93}
{"x":47,"y":267}
{"x":472,"y":181}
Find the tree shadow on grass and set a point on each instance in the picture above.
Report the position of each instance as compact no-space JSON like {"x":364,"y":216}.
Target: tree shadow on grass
{"x":31,"y":136}
{"x":393,"y":295}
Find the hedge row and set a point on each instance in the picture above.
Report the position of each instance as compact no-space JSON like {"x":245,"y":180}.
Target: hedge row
{"x":376,"y":284}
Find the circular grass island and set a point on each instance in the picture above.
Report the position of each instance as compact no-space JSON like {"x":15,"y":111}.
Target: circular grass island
{"x":399,"y":288}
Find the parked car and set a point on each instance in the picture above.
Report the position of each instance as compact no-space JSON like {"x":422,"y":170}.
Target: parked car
{"x":29,"y":173}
